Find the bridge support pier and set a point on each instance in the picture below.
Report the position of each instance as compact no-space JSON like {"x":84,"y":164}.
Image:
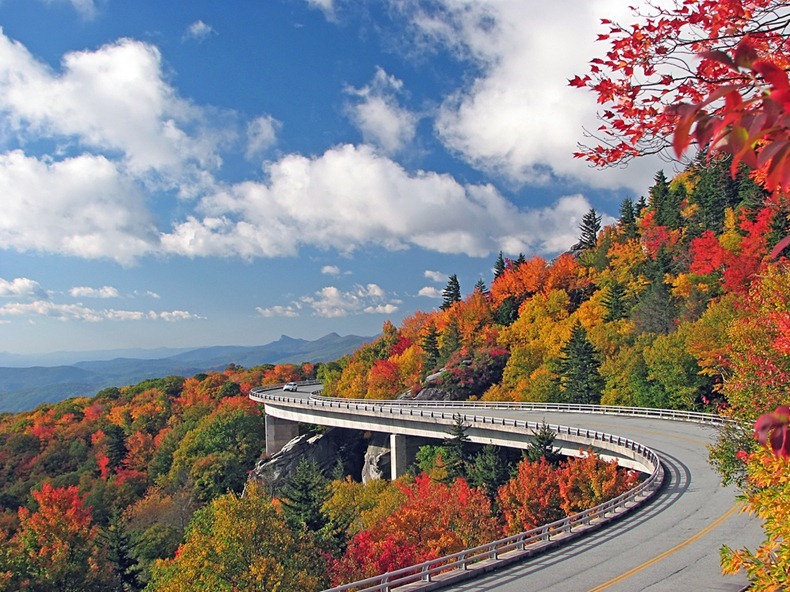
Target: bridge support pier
{"x":278,"y":433}
{"x":399,"y":456}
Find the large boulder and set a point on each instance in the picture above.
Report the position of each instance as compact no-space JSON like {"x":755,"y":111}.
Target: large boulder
{"x":328,"y":448}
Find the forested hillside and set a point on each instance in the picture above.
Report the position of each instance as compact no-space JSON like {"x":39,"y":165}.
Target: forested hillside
{"x":679,"y":304}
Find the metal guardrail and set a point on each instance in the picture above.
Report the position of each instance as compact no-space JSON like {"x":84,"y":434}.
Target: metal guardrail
{"x":672,"y":414}
{"x":525,"y":542}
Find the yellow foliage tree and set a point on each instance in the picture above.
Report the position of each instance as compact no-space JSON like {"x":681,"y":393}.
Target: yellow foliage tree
{"x":241,"y":543}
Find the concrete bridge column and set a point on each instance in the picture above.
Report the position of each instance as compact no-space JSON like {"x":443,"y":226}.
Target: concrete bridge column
{"x":278,"y":433}
{"x":399,"y":455}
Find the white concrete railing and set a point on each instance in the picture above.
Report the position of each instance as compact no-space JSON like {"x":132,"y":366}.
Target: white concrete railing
{"x":460,"y":565}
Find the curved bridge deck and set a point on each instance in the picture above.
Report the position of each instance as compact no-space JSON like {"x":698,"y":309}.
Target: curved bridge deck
{"x":669,"y":545}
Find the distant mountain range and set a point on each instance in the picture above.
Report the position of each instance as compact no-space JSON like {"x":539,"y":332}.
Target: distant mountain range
{"x":58,"y":376}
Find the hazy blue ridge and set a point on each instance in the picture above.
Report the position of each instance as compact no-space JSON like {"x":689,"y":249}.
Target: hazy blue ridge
{"x":22,"y":389}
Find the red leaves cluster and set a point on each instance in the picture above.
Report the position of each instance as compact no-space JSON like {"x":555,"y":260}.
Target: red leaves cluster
{"x":753,"y":127}
{"x":672,"y":70}
{"x":541,"y":493}
{"x":773,"y":429}
{"x":738,"y":266}
{"x":434,"y":520}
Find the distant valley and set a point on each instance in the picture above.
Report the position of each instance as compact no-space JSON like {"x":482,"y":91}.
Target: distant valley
{"x":23,"y":388}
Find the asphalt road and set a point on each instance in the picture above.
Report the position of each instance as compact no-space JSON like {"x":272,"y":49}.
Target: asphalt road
{"x":669,"y":545}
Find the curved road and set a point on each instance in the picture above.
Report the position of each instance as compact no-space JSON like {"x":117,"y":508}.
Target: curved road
{"x":669,"y":545}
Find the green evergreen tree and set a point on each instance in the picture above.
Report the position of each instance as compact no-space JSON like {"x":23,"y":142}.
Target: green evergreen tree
{"x":659,"y":195}
{"x":303,"y":494}
{"x":499,"y":266}
{"x":119,"y":547}
{"x":628,"y":218}
{"x":489,"y":470}
{"x":450,"y":341}
{"x":481,"y":288}
{"x":715,"y":190}
{"x":542,"y":446}
{"x":116,"y":444}
{"x":430,"y":347}
{"x":455,"y":449}
{"x":520,"y":260}
{"x":590,"y":227}
{"x":615,"y":302}
{"x":507,"y":311}
{"x":656,"y":310}
{"x":640,"y":206}
{"x":451,"y":293}
{"x":579,"y":378}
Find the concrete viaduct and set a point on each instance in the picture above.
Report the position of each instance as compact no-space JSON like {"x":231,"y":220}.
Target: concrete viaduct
{"x":663,"y":538}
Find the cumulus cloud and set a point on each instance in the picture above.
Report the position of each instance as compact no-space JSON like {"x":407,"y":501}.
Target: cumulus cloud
{"x":199,"y":31}
{"x":519,"y":117}
{"x":330,"y":270}
{"x":21,"y":288}
{"x":331,"y":302}
{"x":351,"y":197}
{"x":261,"y":135}
{"x":278,"y":311}
{"x":81,"y":206}
{"x":435,"y":276}
{"x":87,"y":292}
{"x":114,"y":99}
{"x":375,"y":111}
{"x":430,"y":292}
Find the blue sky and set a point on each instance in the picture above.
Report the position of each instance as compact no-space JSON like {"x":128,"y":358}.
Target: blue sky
{"x":178,"y":174}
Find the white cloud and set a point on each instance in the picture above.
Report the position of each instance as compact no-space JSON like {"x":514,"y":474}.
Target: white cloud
{"x":331,"y":302}
{"x":114,"y":99}
{"x":177,"y":315}
{"x":325,"y":6}
{"x":435,"y":276}
{"x":430,"y":292}
{"x":21,"y":288}
{"x":351,"y":197}
{"x":261,"y":135}
{"x":330,"y":270}
{"x":199,"y":31}
{"x":87,"y":292}
{"x":81,"y":206}
{"x":278,"y":311}
{"x":379,"y":117}
{"x":79,"y":312}
{"x":519,"y":117}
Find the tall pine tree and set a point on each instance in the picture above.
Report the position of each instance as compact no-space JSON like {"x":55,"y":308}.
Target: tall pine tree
{"x":451,"y":293}
{"x":430,"y":347}
{"x":499,"y":266}
{"x":590,"y":227}
{"x":303,"y":494}
{"x":615,"y":301}
{"x":579,"y":378}
{"x":628,"y":218}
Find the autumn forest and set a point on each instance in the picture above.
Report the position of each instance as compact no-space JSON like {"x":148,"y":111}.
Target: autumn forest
{"x":683,"y":302}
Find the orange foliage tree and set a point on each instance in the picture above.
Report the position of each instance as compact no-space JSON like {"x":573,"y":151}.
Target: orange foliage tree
{"x":57,"y":547}
{"x":532,"y":497}
{"x":434,"y":519}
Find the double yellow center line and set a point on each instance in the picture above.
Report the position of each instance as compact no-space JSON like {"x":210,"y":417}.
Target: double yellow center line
{"x":665,"y":554}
